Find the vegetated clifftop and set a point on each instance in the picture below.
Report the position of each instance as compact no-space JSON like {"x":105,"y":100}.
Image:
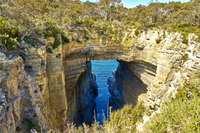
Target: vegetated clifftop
{"x":41,"y":91}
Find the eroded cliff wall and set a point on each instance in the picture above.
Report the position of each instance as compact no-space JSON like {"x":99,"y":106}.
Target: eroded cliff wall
{"x":11,"y":81}
{"x":156,"y":61}
{"x":86,"y":92}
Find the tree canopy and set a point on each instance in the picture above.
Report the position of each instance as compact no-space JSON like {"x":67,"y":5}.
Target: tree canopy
{"x":31,"y":20}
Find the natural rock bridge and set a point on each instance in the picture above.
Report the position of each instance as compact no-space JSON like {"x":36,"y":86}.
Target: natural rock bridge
{"x":149,"y":71}
{"x":128,"y":74}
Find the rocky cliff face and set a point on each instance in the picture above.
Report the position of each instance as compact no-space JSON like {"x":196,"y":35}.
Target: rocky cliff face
{"x":11,"y":82}
{"x":153,"y":65}
{"x":86,"y":92}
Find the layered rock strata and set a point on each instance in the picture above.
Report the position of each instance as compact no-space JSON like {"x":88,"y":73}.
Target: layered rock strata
{"x":153,"y":65}
{"x":11,"y":81}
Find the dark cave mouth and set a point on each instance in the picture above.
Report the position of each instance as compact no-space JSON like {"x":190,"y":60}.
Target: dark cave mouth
{"x":107,"y":84}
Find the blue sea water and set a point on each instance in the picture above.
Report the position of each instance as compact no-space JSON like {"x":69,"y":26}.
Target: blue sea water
{"x":103,"y":70}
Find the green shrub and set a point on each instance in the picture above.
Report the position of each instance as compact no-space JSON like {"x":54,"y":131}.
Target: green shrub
{"x":51,"y":29}
{"x":9,"y":35}
{"x":185,"y":37}
{"x":182,"y":113}
{"x":125,"y":119}
{"x":121,"y":121}
{"x":158,"y":40}
{"x":137,"y":32}
{"x":65,"y":39}
{"x":185,"y":57}
{"x":184,"y":29}
{"x":18,"y":129}
{"x":29,"y":123}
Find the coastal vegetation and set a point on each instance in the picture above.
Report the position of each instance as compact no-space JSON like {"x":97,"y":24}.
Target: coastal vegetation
{"x":33,"y":22}
{"x":180,"y":115}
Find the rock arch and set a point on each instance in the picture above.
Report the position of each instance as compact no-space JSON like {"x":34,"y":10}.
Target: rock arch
{"x":134,"y":74}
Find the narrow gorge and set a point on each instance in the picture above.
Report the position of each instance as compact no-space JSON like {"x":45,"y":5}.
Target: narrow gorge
{"x":109,"y":66}
{"x":51,"y":89}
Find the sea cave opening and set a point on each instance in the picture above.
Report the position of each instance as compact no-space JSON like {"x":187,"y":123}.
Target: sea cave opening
{"x":104,"y":70}
{"x":106,"y":84}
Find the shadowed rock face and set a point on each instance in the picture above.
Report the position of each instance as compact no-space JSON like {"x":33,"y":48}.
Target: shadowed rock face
{"x":126,"y":86}
{"x":86,"y":92}
{"x":116,"y":100}
{"x":149,"y":72}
